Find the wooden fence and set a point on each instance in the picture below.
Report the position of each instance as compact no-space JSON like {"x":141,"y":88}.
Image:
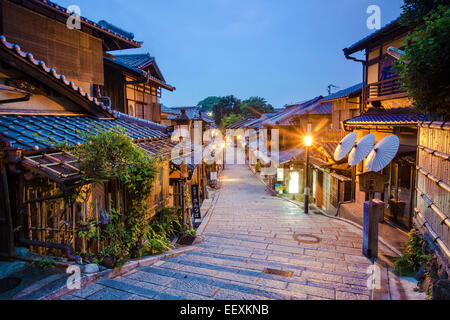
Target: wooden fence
{"x":433,"y":184}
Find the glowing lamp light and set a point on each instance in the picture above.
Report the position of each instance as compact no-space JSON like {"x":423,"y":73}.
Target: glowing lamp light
{"x":308,"y":141}
{"x":294,"y":182}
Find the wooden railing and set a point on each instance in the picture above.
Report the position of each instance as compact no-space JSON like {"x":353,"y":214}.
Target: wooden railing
{"x":386,"y":89}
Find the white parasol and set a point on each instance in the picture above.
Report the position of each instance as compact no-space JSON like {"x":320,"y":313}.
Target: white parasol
{"x":383,"y":153}
{"x":345,"y":146}
{"x":361,"y":150}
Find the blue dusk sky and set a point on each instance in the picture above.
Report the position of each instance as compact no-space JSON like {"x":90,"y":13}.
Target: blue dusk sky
{"x":283,"y":50}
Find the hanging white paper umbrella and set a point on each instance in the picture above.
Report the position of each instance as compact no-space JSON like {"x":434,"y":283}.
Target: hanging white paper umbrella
{"x":361,"y":150}
{"x":345,"y":146}
{"x":383,"y":153}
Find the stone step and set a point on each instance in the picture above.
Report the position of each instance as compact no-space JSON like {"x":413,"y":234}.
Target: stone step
{"x":37,"y":286}
{"x":326,"y":281}
{"x":301,"y":263}
{"x":44,"y":288}
{"x":233,"y":288}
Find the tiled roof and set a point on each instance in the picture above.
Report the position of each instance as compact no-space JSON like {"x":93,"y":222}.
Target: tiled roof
{"x":329,"y":148}
{"x":138,"y":61}
{"x":168,"y":110}
{"x":290,"y":154}
{"x":13,"y":48}
{"x":140,"y":121}
{"x":344,"y":93}
{"x":191,"y":112}
{"x":404,"y":116}
{"x":286,"y":116}
{"x":63,"y":11}
{"x":139,"y":72}
{"x":43,"y":132}
{"x":240,"y":124}
{"x":322,"y":108}
{"x":207,"y":118}
{"x":379,"y":33}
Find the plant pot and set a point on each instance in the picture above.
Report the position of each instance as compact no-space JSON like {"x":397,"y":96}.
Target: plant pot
{"x":109,"y":262}
{"x":186,"y":240}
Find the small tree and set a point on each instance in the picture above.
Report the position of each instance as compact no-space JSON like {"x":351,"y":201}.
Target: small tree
{"x":425,"y":67}
{"x":232,"y":118}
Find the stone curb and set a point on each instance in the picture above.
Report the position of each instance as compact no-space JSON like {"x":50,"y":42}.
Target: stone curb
{"x":209,"y":214}
{"x":114,"y":273}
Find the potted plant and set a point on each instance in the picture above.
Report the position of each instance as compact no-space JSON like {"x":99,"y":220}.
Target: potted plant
{"x":188,"y":238}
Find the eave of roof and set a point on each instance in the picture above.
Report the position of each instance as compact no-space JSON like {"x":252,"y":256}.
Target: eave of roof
{"x":59,"y":10}
{"x":387,"y":118}
{"x":390,"y":28}
{"x":141,"y":61}
{"x":290,"y":112}
{"x":346,"y":93}
{"x":33,"y":133}
{"x":138,"y":72}
{"x":51,"y":73}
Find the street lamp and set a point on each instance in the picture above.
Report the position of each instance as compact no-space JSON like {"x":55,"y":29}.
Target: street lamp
{"x":308,"y":144}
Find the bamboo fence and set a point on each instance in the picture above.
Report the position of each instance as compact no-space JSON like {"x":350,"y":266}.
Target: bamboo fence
{"x":433,"y":184}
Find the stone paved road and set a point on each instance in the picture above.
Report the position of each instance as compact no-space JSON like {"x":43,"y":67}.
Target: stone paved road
{"x":250,"y":231}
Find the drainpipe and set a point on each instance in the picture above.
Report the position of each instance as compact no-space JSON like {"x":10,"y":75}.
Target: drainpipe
{"x":364,"y":85}
{"x":25,"y":98}
{"x":50,"y":245}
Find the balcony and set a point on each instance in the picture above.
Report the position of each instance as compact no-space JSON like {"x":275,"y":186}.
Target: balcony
{"x":385,"y":90}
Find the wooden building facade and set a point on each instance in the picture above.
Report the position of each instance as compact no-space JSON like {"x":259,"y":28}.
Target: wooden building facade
{"x":41,"y":108}
{"x":386,"y":110}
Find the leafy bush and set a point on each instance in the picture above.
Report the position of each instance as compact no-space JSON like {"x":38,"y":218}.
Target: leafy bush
{"x":413,"y":258}
{"x":45,"y":263}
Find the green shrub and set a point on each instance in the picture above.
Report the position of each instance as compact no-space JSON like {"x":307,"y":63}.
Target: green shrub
{"x":413,"y":258}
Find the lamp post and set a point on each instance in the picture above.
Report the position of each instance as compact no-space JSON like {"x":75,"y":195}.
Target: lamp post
{"x":308,"y":143}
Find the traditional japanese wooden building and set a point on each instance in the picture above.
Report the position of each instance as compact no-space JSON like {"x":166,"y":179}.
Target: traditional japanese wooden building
{"x":385,"y":110}
{"x":41,"y":108}
{"x":37,"y":177}
{"x":133,"y":85}
{"x":333,"y":182}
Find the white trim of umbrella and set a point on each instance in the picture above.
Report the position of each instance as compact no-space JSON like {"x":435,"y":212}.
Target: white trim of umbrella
{"x":383,"y":153}
{"x":361,"y":150}
{"x":345,"y":146}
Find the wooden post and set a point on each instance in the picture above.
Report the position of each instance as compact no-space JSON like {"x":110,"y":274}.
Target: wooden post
{"x":8,"y":216}
{"x":370,"y":233}
{"x":38,"y":227}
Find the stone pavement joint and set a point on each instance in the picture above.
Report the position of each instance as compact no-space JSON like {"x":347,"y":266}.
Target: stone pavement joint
{"x":247,"y":231}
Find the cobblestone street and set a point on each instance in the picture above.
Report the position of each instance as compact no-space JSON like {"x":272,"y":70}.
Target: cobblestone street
{"x":254,"y":246}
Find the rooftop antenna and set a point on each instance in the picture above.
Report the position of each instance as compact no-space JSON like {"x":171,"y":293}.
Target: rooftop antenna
{"x":330,"y":88}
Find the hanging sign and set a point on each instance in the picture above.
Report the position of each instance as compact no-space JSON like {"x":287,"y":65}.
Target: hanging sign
{"x":196,"y":202}
{"x":280,"y":174}
{"x":372,"y":182}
